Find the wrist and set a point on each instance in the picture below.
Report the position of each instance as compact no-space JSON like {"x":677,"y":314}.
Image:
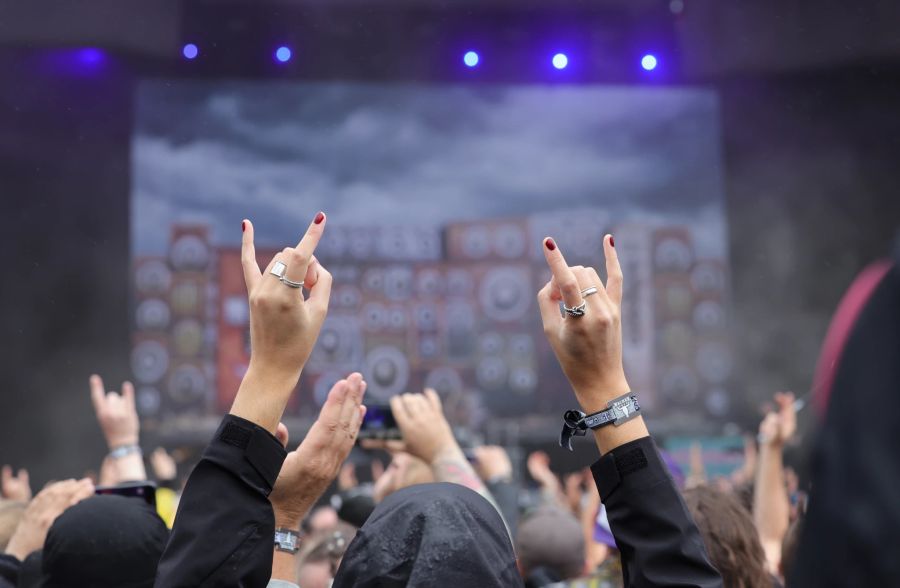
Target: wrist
{"x":449,"y":449}
{"x":274,"y":377}
{"x":594,"y":396}
{"x":289,"y":518}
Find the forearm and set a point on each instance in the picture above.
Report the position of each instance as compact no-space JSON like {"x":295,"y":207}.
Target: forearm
{"x":451,"y":465}
{"x":284,"y":566}
{"x":771,"y":506}
{"x":263,"y":395}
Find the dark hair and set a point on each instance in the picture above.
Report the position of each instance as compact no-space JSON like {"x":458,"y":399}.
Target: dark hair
{"x":789,"y":546}
{"x":730,"y":536}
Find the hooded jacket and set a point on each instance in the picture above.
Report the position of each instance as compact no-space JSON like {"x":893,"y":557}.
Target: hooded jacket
{"x":431,"y":535}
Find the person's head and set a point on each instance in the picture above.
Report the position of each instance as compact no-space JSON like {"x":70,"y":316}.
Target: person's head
{"x":104,"y":541}
{"x":551,"y":538}
{"x":321,"y":555}
{"x":322,"y":518}
{"x":404,"y":471}
{"x":11,"y":512}
{"x":431,"y":535}
{"x":730,"y":537}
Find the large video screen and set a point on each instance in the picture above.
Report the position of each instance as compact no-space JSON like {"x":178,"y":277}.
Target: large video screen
{"x":438,"y":197}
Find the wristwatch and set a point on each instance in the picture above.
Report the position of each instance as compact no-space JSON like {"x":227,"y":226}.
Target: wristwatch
{"x":287,"y":540}
{"x":619,"y":410}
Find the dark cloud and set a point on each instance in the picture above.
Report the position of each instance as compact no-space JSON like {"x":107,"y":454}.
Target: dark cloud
{"x":424,"y":155}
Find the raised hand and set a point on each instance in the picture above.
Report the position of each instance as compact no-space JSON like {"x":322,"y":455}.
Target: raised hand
{"x":589,"y":347}
{"x":283,"y":325}
{"x":426,"y":432}
{"x":42,"y":511}
{"x":15,"y":486}
{"x":308,"y":470}
{"x":492,"y":463}
{"x":347,"y":477}
{"x":163,"y":464}
{"x":116,"y":413}
{"x":777,"y":428}
{"x":538,"y":464}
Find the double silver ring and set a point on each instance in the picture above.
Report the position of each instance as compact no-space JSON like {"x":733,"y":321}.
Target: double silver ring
{"x":575,"y":311}
{"x":589,"y":291}
{"x":278,"y":271}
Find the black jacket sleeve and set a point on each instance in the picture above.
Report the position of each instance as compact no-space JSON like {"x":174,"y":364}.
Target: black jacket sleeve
{"x":9,"y":570}
{"x":658,"y":541}
{"x":225,"y":526}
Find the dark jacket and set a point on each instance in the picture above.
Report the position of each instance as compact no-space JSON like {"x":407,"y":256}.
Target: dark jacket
{"x":851,"y":536}
{"x":224,"y":528}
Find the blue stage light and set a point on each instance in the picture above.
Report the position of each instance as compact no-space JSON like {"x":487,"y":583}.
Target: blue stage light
{"x":649,"y":62}
{"x":283,"y":54}
{"x":471,"y":59}
{"x":90,"y":56}
{"x":190,"y":51}
{"x":560,"y":61}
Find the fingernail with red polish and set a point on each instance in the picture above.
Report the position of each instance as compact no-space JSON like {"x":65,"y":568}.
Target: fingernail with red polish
{"x":243,"y":226}
{"x":550,"y":244}
{"x":319,"y":218}
{"x":612,"y":241}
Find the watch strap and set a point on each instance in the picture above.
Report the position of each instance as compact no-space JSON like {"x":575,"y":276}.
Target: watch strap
{"x":287,"y":540}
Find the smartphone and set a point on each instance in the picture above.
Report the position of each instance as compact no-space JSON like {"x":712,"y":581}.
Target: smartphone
{"x":143,"y":490}
{"x":379,"y":423}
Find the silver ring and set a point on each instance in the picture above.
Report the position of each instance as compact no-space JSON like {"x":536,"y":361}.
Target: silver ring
{"x":278,"y":269}
{"x":291,"y":283}
{"x":589,"y":291}
{"x":575,"y":311}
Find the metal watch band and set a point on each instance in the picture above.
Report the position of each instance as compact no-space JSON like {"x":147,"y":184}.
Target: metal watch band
{"x":619,"y":410}
{"x":123,"y":450}
{"x":287,"y":540}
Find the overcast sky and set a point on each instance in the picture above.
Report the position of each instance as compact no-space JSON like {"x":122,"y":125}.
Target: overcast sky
{"x":277,"y":152}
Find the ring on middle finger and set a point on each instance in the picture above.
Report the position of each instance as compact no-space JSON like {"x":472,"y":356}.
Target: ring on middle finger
{"x":576,"y":311}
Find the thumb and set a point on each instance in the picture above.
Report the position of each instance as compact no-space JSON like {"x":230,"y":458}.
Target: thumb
{"x":281,"y":433}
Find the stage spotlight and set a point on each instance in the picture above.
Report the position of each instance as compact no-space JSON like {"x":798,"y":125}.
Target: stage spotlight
{"x":90,"y":56}
{"x":649,"y":62}
{"x":190,"y":51}
{"x":283,"y":54}
{"x":471,"y":59}
{"x":560,"y":61}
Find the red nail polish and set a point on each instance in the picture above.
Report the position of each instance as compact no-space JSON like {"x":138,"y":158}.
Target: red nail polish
{"x":612,"y":241}
{"x":319,"y":218}
{"x":243,"y":226}
{"x":550,"y":244}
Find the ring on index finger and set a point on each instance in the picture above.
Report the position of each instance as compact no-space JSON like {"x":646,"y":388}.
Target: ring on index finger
{"x":589,"y":291}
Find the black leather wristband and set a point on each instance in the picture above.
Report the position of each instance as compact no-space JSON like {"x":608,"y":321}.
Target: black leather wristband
{"x":619,"y":410}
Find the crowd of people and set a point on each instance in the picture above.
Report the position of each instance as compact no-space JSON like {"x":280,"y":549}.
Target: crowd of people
{"x":253,"y":513}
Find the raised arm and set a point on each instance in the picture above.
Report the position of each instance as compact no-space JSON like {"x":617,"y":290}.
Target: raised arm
{"x":224,"y":529}
{"x":658,"y":541}
{"x":771,"y":505}
{"x":118,"y":419}
{"x":309,"y":470}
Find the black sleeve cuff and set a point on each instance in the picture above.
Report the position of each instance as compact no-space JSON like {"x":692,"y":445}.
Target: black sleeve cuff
{"x":635,"y":465}
{"x":248,"y":451}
